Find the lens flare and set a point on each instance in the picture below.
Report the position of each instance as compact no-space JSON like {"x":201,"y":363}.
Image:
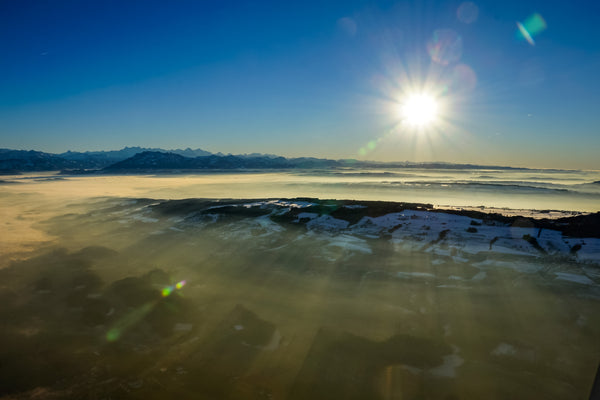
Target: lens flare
{"x":525,"y":34}
{"x":531,"y":27}
{"x":135,"y":316}
{"x":467,"y":12}
{"x":170,"y":289}
{"x":445,"y":46}
{"x":463,"y":78}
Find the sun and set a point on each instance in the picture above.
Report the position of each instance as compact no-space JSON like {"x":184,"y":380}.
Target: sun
{"x":419,"y":110}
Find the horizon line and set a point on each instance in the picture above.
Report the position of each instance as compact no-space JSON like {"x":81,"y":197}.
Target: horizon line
{"x":221,"y":154}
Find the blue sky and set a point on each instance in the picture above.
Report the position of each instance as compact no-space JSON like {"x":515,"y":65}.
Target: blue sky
{"x":304,"y":78}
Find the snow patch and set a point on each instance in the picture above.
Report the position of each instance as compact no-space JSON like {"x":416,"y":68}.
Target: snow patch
{"x":182,"y":327}
{"x":504,"y":349}
{"x":524,"y":267}
{"x":414,"y":275}
{"x":327,"y":223}
{"x":576,"y":278}
{"x":451,"y":363}
{"x":352,"y":243}
{"x":141,"y":218}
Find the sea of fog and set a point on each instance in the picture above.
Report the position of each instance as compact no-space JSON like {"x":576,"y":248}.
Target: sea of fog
{"x":136,"y":286}
{"x":490,"y":188}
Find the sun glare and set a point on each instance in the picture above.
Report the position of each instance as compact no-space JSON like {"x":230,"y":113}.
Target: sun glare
{"x":419,"y":110}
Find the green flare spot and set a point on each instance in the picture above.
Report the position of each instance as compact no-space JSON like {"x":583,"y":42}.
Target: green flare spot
{"x":535,"y":24}
{"x":113,"y":335}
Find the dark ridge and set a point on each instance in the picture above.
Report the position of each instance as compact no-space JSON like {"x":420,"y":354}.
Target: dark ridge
{"x":21,"y":160}
{"x":239,"y":211}
{"x":373,"y":209}
{"x":580,"y":225}
{"x":338,"y":209}
{"x":188,"y":206}
{"x":576,"y":226}
{"x":156,"y":160}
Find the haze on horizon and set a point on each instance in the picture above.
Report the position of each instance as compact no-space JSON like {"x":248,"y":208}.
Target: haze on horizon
{"x":515,"y":83}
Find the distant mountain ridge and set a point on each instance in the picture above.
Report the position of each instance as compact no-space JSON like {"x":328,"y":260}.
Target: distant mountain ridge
{"x":160,"y":160}
{"x":31,"y":160}
{"x":135,"y":159}
{"x":153,"y":160}
{"x":113,"y":156}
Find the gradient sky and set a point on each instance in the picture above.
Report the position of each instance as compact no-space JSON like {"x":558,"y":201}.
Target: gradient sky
{"x":301,"y":78}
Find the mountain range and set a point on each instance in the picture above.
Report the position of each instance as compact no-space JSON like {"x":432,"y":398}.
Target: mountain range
{"x":136,"y":159}
{"x":30,"y":160}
